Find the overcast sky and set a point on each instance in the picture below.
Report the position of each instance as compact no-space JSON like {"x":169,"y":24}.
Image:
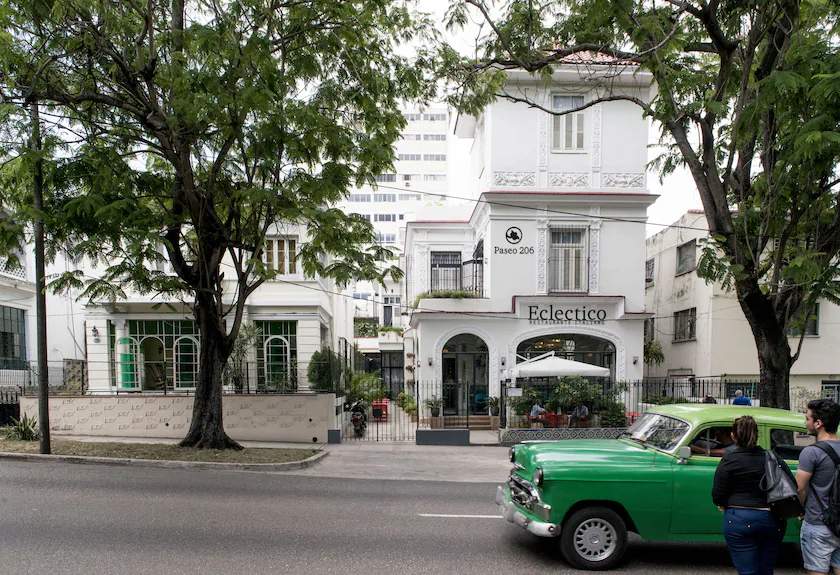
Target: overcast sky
{"x":677,"y":193}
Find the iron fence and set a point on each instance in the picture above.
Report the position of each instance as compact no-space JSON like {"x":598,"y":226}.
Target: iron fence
{"x":9,"y":406}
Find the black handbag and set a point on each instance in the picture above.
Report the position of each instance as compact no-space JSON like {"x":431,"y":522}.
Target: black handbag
{"x":781,"y":489}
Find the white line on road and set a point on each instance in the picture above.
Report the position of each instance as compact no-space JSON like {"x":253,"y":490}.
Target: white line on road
{"x":460,"y":516}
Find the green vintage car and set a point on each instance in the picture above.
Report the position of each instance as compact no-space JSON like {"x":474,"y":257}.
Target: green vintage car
{"x":654,"y":480}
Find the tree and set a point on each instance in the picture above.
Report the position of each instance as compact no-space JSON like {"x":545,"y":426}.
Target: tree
{"x":746,"y":99}
{"x":200,"y":126}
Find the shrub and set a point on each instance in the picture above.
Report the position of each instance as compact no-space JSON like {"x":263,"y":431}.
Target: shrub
{"x":24,"y":429}
{"x":614,"y":416}
{"x":324,"y":371}
{"x":659,"y":399}
{"x":446,"y":294}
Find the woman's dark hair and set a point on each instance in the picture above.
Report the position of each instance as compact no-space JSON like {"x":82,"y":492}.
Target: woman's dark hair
{"x":745,"y":431}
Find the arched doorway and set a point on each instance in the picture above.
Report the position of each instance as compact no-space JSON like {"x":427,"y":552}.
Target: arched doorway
{"x":154,"y":364}
{"x":465,"y":375}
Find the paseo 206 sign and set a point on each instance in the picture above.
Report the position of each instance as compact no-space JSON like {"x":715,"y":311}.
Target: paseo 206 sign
{"x":541,"y":314}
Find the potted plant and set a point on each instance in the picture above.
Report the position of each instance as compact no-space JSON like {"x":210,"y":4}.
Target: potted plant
{"x":434,"y":404}
{"x":495,"y":405}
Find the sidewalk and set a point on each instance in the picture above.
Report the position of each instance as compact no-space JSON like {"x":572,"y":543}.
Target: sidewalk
{"x":382,"y":460}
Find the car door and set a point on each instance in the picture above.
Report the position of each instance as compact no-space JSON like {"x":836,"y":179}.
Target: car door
{"x":693,"y":510}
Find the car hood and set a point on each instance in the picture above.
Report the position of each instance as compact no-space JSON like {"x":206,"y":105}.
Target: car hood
{"x":559,"y":457}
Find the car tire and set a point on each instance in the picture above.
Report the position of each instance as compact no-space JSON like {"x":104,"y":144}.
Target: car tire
{"x":594,"y":538}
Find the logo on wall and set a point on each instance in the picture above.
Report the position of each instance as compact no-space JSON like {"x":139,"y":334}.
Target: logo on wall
{"x":513,"y":235}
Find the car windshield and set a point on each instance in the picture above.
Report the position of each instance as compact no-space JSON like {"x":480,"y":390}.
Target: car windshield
{"x":658,"y":431}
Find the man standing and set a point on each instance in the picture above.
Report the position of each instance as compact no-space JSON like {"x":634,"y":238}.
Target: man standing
{"x":820,"y":547}
{"x":740,"y":399}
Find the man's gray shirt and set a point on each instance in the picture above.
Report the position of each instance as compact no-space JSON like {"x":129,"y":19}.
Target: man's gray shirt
{"x":815,"y":460}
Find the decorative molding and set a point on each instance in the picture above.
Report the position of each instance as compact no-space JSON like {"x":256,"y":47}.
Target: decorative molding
{"x":542,"y":256}
{"x":624,"y":180}
{"x":594,"y":257}
{"x":424,"y":269}
{"x":596,"y":145}
{"x":543,"y":160}
{"x":513,"y":179}
{"x":613,"y":338}
{"x":493,"y":375}
{"x":568,"y":179}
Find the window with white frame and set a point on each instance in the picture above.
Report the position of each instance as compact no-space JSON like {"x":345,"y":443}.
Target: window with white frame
{"x":410,"y":177}
{"x":386,"y":238}
{"x":649,"y":269}
{"x":385,"y":217}
{"x":434,"y":157}
{"x":685,"y":324}
{"x":413,"y":117}
{"x":386,"y":178}
{"x":281,"y":255}
{"x":359,"y":197}
{"x":831,"y":390}
{"x":409,"y":157}
{"x":384,"y":197}
{"x":434,"y":177}
{"x":567,"y":261}
{"x":810,"y":324}
{"x":435,"y":137}
{"x":411,"y":137}
{"x":391,"y":310}
{"x":569,"y":131}
{"x":409,"y":197}
{"x":434,"y":117}
{"x":686,"y":257}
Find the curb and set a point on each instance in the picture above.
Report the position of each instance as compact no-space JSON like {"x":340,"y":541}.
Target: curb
{"x":166,"y":464}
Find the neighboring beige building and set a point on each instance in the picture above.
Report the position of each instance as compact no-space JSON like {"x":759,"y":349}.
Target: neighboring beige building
{"x":702,"y":329}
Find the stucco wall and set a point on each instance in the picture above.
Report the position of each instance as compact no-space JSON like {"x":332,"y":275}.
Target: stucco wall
{"x":299,"y":418}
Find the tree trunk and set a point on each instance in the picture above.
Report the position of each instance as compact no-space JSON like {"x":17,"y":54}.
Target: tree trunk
{"x":774,"y":357}
{"x":207,"y":428}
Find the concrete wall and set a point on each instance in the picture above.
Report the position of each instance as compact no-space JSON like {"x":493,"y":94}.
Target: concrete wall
{"x":299,"y":418}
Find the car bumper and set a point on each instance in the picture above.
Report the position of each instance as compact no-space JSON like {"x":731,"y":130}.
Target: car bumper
{"x":531,"y":525}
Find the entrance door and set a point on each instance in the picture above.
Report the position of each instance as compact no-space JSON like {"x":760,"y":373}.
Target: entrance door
{"x":465,"y":375}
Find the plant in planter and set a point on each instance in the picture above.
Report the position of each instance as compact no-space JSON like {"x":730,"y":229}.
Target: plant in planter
{"x":434,"y":405}
{"x":410,"y":368}
{"x":495,"y":405}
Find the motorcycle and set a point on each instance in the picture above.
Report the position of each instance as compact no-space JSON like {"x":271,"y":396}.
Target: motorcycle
{"x":358,"y":417}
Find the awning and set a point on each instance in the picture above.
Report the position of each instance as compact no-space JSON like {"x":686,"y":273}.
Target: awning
{"x":552,"y":366}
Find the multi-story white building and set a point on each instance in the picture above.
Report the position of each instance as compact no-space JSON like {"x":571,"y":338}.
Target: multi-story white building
{"x":419,"y":182}
{"x":552,"y":256}
{"x":702,"y":330}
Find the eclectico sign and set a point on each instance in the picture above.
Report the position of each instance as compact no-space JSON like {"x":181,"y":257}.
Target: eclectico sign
{"x":561,"y":315}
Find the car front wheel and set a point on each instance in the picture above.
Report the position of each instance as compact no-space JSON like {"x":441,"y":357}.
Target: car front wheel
{"x":594,"y":538}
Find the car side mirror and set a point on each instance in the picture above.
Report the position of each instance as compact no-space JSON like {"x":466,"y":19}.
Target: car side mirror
{"x":684,"y":454}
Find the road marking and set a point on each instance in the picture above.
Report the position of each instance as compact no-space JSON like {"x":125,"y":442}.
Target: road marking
{"x":460,"y":516}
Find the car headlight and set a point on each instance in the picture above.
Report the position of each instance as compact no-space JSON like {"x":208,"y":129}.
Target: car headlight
{"x":512,"y":454}
{"x":538,"y":477}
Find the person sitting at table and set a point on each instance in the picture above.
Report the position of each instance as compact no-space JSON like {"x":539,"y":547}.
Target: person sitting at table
{"x":537,"y":413}
{"x":580,"y":414}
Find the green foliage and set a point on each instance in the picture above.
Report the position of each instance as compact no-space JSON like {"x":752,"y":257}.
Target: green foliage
{"x":445,"y":294}
{"x":324,"y":371}
{"x":24,"y":429}
{"x":573,"y":390}
{"x":653,"y":353}
{"x":192,"y":139}
{"x":660,"y":399}
{"x":365,"y":386}
{"x":407,"y":403}
{"x":522,"y":405}
{"x":364,"y":327}
{"x":433,"y":402}
{"x":613,"y":416}
{"x":390,"y":329}
{"x":234,"y":372}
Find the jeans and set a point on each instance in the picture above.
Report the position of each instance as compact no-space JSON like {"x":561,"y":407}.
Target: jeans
{"x":754,"y":538}
{"x":820,"y":548}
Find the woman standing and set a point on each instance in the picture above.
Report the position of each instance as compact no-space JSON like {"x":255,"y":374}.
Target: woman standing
{"x":753,"y":535}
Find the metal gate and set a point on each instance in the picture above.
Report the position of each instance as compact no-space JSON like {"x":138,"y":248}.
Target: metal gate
{"x":9,"y":407}
{"x":386,"y":421}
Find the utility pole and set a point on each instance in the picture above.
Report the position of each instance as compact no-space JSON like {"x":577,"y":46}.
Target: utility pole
{"x":40,"y":281}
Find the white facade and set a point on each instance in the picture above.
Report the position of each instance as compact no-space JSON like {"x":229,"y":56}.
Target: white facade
{"x":134,"y":346}
{"x":18,"y":328}
{"x":554,"y":249}
{"x":720,"y":342}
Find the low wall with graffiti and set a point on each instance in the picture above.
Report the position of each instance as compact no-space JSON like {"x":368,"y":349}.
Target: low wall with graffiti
{"x":299,"y":418}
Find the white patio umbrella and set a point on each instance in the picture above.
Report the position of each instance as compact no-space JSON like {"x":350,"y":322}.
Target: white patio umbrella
{"x":552,"y":366}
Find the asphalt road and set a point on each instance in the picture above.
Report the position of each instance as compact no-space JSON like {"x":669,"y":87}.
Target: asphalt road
{"x":62,"y":519}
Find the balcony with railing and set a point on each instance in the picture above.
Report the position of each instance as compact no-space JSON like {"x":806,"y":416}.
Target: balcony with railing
{"x":17,"y":272}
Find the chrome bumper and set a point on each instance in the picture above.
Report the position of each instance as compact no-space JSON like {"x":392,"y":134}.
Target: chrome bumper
{"x":512,"y":514}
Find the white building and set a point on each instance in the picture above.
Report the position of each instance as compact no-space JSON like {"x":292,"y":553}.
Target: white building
{"x":552,"y":256}
{"x":702,"y":329}
{"x":139,"y":345}
{"x":18,"y":328}
{"x":418,"y":183}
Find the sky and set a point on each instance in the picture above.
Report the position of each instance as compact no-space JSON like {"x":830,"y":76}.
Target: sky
{"x":677,"y":193}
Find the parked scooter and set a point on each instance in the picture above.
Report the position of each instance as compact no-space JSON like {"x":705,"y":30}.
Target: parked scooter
{"x":358,"y":417}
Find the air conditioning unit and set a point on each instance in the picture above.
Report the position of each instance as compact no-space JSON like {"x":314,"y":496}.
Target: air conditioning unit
{"x":407,"y":184}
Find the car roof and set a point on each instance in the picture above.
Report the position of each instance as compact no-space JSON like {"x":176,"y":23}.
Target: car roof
{"x":700,"y":413}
